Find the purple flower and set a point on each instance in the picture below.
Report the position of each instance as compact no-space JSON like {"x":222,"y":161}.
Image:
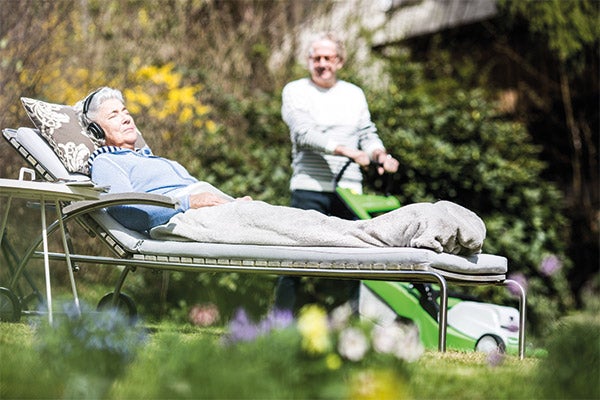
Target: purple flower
{"x":550,"y":265}
{"x":520,"y":279}
{"x":276,"y":319}
{"x":495,"y":358}
{"x":241,"y":329}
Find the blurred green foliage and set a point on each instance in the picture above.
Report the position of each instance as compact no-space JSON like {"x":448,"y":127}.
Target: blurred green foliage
{"x":91,"y":349}
{"x":567,"y":26}
{"x":197,"y":79}
{"x":572,"y":368}
{"x":189,"y":362}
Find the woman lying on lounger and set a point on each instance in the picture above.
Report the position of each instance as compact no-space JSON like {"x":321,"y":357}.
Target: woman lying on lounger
{"x":206,"y":214}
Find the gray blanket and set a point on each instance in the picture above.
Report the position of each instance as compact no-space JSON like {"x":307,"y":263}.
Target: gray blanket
{"x":442,"y":226}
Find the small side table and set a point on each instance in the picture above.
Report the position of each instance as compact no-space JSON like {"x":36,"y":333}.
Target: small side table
{"x":51,"y":193}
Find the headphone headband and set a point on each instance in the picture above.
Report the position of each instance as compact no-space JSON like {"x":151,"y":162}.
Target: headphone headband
{"x":93,"y":128}
{"x":88,"y":101}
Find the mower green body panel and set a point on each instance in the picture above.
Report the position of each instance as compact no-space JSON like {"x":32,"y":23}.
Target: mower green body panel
{"x":367,"y":205}
{"x":404,"y":301}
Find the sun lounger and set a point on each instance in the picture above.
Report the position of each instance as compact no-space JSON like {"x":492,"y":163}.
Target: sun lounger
{"x":136,"y":250}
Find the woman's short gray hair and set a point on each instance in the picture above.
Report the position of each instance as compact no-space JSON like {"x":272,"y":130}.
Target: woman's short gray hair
{"x":94,"y":100}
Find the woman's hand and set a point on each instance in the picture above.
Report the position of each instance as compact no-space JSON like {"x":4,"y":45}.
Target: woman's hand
{"x":206,"y":199}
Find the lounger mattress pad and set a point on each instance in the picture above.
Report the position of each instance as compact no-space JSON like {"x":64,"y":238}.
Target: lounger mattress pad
{"x":338,"y":257}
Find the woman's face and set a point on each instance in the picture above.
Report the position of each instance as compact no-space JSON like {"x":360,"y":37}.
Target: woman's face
{"x":119,"y":128}
{"x":323,"y":63}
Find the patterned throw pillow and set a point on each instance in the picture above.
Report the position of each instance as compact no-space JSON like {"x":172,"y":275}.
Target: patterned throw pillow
{"x":60,"y":126}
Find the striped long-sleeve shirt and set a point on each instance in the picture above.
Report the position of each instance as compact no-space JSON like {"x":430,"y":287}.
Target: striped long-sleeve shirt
{"x":320,"y":120}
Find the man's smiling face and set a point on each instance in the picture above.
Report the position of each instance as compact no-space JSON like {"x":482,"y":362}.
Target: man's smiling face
{"x":323,"y":63}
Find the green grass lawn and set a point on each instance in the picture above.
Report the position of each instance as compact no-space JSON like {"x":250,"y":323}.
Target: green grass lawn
{"x":175,"y":363}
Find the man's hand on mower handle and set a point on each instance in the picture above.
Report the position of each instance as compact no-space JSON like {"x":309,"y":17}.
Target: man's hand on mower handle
{"x":358,"y":156}
{"x":385,"y":162}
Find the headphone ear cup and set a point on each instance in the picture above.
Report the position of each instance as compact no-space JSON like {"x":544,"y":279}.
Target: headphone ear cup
{"x":96,"y":130}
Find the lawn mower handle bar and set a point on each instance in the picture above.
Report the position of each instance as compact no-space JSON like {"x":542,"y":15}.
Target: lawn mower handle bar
{"x":338,"y":177}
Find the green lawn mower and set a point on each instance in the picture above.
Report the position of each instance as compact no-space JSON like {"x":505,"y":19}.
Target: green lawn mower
{"x":472,"y":325}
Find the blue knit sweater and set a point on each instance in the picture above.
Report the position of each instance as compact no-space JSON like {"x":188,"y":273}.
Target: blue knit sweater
{"x":139,"y":171}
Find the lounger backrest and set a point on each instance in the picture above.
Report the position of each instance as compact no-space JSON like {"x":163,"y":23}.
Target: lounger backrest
{"x":40,"y":155}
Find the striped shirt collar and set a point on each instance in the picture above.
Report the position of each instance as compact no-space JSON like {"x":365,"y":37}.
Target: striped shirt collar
{"x":145,"y":151}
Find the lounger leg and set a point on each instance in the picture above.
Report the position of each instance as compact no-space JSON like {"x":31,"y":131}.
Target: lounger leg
{"x":119,"y":284}
{"x":46,"y":260}
{"x":164,"y":288}
{"x":522,"y":316}
{"x":443,"y":315}
{"x":5,"y":218}
{"x":12,"y":260}
{"x":67,"y":255}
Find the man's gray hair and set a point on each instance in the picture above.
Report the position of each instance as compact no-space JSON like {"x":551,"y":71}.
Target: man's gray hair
{"x":340,"y":48}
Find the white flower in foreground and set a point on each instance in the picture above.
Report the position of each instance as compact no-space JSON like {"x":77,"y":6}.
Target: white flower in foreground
{"x":410,"y":347}
{"x":387,"y":338}
{"x":353,"y":344}
{"x":340,"y":316}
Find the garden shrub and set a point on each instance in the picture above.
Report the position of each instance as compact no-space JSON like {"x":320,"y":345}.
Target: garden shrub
{"x":572,"y":368}
{"x":86,"y":351}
